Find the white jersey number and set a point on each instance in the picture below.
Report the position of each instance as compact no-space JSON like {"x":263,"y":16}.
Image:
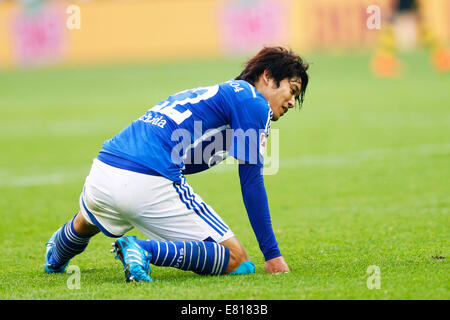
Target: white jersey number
{"x":182,"y":98}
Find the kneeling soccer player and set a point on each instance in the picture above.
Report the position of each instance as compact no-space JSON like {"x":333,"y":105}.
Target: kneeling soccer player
{"x":137,"y":180}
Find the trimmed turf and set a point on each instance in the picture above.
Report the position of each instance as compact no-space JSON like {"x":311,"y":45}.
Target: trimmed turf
{"x":364,"y":180}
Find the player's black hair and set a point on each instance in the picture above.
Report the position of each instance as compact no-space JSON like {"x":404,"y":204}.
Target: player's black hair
{"x":281,"y":63}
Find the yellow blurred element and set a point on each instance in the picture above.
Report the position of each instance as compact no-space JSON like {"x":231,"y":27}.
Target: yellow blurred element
{"x":428,"y":37}
{"x":386,"y":41}
{"x":7,"y":10}
{"x":110,"y":31}
{"x":113,"y":31}
{"x":143,"y":30}
{"x":435,"y":18}
{"x":334,"y":25}
{"x":428,"y":26}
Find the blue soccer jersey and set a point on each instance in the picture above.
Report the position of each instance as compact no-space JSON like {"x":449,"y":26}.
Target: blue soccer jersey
{"x":192,"y":130}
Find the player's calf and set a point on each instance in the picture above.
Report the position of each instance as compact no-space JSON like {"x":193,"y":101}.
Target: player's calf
{"x":202,"y":257}
{"x":239,"y":260}
{"x":67,"y":242}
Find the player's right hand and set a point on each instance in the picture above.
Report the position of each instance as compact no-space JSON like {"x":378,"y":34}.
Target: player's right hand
{"x":276,"y":265}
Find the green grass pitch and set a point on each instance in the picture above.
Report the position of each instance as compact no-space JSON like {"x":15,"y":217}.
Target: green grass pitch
{"x":364,"y":180}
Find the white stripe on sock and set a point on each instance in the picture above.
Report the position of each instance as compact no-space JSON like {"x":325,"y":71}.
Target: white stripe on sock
{"x":190,"y":258}
{"x":206,"y":256}
{"x":215,"y":264}
{"x":184,"y":255}
{"x":167,"y":252}
{"x":175,"y":256}
{"x":159,"y":250}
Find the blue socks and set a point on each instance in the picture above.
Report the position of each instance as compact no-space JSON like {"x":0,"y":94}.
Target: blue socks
{"x":68,"y":243}
{"x":202,"y":257}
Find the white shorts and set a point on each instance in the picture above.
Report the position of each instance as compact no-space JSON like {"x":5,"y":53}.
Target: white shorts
{"x":117,"y":200}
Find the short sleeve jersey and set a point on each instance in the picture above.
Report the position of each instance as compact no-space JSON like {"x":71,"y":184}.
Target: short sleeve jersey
{"x":194,"y":129}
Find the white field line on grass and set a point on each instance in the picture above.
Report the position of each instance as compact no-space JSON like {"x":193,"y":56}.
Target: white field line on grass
{"x":354,"y":157}
{"x":319,"y":160}
{"x":10,"y":180}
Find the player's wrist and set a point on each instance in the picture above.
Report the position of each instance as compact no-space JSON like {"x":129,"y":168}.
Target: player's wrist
{"x":272,"y":254}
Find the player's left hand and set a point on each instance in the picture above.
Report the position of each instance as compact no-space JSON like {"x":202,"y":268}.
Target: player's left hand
{"x":276,"y":265}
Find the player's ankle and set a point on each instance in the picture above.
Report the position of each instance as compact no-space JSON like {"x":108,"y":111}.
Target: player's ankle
{"x":234,"y":263}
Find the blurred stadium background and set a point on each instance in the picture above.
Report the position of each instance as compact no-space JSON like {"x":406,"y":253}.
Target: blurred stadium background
{"x":364,"y":174}
{"x":47,"y":32}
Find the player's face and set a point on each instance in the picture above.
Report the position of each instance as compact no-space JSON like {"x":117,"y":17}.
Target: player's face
{"x":282,"y":98}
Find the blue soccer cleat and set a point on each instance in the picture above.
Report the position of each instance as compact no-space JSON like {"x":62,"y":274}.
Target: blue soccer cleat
{"x":246,"y":267}
{"x":50,"y":268}
{"x":135,"y":260}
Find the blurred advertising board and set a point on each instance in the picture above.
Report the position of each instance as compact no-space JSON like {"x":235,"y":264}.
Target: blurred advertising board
{"x":46,"y":32}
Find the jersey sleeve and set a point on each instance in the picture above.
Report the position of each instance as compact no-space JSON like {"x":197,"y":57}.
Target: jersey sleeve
{"x":250,"y":117}
{"x":257,"y":206}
